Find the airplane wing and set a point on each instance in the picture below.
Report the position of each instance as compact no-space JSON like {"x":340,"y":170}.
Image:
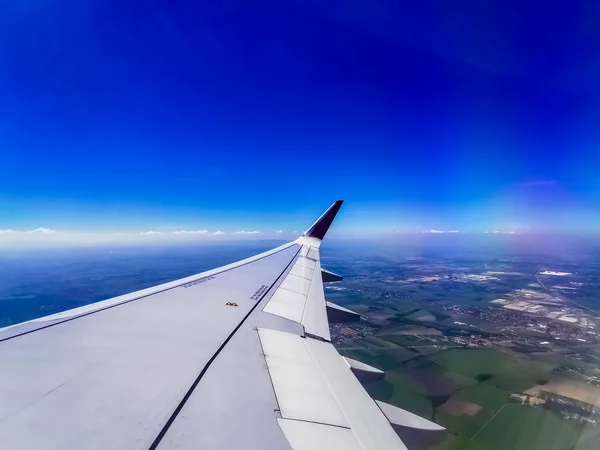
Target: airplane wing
{"x":236,"y":357}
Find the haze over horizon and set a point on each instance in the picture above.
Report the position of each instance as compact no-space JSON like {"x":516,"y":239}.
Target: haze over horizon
{"x":155,"y":121}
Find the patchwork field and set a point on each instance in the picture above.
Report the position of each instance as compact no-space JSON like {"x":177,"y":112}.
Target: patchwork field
{"x":467,"y":391}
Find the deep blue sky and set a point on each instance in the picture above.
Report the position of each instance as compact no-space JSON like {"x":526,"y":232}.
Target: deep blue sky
{"x":472,"y":115}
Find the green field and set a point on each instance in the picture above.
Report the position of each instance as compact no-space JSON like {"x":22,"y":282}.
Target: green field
{"x":523,"y":427}
{"x":472,"y":362}
{"x":508,"y":372}
{"x":394,"y":391}
{"x":452,"y":442}
{"x":374,"y":342}
{"x":486,"y":395}
{"x":382,"y":359}
{"x":404,"y":340}
{"x":379,"y":353}
{"x":461,"y":379}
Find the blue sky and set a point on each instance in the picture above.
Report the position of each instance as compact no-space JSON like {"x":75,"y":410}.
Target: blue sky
{"x":123,"y":116}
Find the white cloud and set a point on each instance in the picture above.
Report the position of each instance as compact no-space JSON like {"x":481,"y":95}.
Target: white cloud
{"x":279,"y":231}
{"x":247,"y":232}
{"x":296,"y":231}
{"x":151,"y":233}
{"x":40,"y":230}
{"x":539,"y":183}
{"x":440,"y":231}
{"x":7,"y":231}
{"x":190,"y":232}
{"x":499,"y":232}
{"x":219,"y":233}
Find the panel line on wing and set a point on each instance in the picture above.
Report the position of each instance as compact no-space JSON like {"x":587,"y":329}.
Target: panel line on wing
{"x":188,"y":394}
{"x":302,"y":271}
{"x":319,"y":423}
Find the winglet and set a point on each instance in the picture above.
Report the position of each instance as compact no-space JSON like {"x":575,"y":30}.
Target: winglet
{"x":320,"y":227}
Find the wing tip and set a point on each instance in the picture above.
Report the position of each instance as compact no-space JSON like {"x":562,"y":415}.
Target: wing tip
{"x":320,"y":227}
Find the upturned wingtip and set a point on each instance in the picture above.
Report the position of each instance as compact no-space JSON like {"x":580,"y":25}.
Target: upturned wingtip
{"x":320,"y":227}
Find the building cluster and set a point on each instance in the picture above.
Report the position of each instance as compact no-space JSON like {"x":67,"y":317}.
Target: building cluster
{"x":513,"y":322}
{"x":347,"y":333}
{"x":570,"y":408}
{"x":547,"y":305}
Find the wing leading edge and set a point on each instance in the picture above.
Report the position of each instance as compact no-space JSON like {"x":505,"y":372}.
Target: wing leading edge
{"x":177,"y":366}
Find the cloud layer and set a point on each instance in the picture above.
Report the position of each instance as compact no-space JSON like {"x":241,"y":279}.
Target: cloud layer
{"x":499,"y":232}
{"x":440,"y":231}
{"x":40,"y":230}
{"x":42,"y":236}
{"x":46,"y":236}
{"x":191,"y":232}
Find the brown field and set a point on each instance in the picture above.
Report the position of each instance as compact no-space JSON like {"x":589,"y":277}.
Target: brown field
{"x":458,"y":407}
{"x":570,"y":388}
{"x":379,"y":319}
{"x":427,"y":318}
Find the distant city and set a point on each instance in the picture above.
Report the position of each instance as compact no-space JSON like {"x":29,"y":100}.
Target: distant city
{"x":465,"y":340}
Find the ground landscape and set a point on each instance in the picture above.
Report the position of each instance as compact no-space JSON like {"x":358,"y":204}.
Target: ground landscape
{"x":502,"y":351}
{"x":497,"y":343}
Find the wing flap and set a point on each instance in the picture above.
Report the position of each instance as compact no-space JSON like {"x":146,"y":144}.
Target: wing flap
{"x":314,"y":318}
{"x":371,"y":428}
{"x":313,"y":383}
{"x":301,"y":298}
{"x":296,"y":283}
{"x":301,"y":270}
{"x":287,"y":304}
{"x":300,"y":387}
{"x":311,"y":436}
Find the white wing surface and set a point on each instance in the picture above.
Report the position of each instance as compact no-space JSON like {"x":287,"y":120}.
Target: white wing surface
{"x":236,"y":357}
